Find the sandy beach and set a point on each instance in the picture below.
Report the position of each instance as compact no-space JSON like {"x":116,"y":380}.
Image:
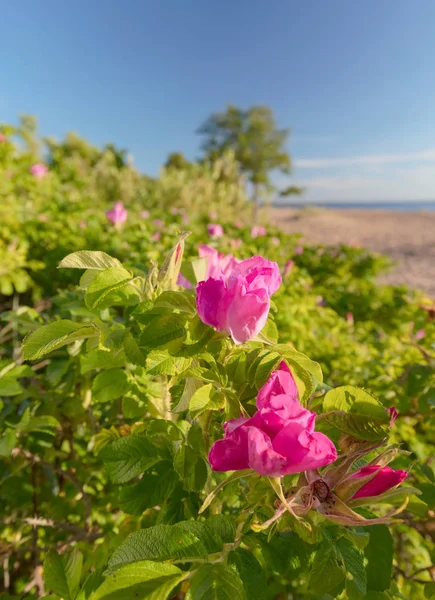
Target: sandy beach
{"x":408,"y":238}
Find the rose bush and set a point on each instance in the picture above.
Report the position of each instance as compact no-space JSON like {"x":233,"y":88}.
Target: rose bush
{"x":112,"y":425}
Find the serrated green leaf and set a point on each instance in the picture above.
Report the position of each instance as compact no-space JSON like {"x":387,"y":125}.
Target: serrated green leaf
{"x":8,"y":440}
{"x":192,"y":468}
{"x":159,"y":362}
{"x":326,"y":572}
{"x":143,"y":580}
{"x":180,"y":301}
{"x":50,"y":337}
{"x":129,"y":456}
{"x":250,"y":572}
{"x":9,"y":386}
{"x":379,"y":553}
{"x":62,"y":573}
{"x":152,"y":490}
{"x":354,"y":563}
{"x":163,"y":330}
{"x":109,"y":385}
{"x":106,"y":281}
{"x":358,"y":426}
{"x":88,"y":259}
{"x":216,"y":582}
{"x":205,"y":398}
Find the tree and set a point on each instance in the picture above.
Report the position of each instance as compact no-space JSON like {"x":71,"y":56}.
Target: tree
{"x":258,"y":145}
{"x":176,"y":160}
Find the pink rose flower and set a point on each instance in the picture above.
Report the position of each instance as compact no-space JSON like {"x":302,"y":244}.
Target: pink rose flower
{"x":3,"y":138}
{"x":299,"y":250}
{"x":288,"y":267}
{"x":258,"y":231}
{"x":419,"y":335}
{"x":240,"y":304}
{"x":349,"y":318}
{"x":214,"y":230}
{"x":156,"y":236}
{"x":38,"y":170}
{"x":218,"y":265}
{"x":235,"y":243}
{"x":158,"y":222}
{"x":82,"y":225}
{"x":239,"y":224}
{"x":279,"y":439}
{"x":384,"y":479}
{"x":145,"y":214}
{"x":118,"y":214}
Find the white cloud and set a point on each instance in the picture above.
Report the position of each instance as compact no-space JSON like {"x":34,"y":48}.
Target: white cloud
{"x":395,"y":184}
{"x":373,"y":159}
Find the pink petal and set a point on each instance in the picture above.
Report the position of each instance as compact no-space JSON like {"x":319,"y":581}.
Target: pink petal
{"x":302,"y":449}
{"x":262,"y":457}
{"x":247,"y":314}
{"x":385,"y":479}
{"x":231,"y":453}
{"x":280,"y":382}
{"x":212,"y":303}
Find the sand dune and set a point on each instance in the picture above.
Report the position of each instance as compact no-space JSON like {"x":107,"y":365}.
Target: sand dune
{"x":407,"y":237}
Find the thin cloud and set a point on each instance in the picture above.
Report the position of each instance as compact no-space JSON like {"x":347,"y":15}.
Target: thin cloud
{"x":374,"y":159}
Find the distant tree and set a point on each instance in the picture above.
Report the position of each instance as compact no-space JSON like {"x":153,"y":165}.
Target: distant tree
{"x":258,"y":145}
{"x":176,"y":160}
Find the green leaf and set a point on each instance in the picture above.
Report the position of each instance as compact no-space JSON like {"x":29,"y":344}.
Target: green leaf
{"x":192,"y":468}
{"x":143,"y":580}
{"x":216,"y":582}
{"x":379,"y":553}
{"x":9,"y":386}
{"x":180,"y":301}
{"x":188,"y":539}
{"x":107,"y":281}
{"x":88,"y":259}
{"x":191,"y":385}
{"x":51,"y":337}
{"x":159,"y":362}
{"x":250,"y":572}
{"x":354,"y":563}
{"x":152,"y":490}
{"x":326,"y":573}
{"x":194,"y":270}
{"x":355,"y":401}
{"x":293,"y":356}
{"x":223,"y":526}
{"x":205,"y":398}
{"x":163,"y":330}
{"x":129,"y":456}
{"x":7,"y":442}
{"x":358,"y":426}
{"x":62,"y":573}
{"x":132,"y":351}
{"x":109,"y":385}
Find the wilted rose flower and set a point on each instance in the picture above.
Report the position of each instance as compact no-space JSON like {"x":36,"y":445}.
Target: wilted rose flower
{"x":239,"y":305}
{"x":156,"y":236}
{"x":214,"y":230}
{"x":38,"y":170}
{"x":384,"y":478}
{"x":144,"y":214}
{"x":299,"y":250}
{"x":258,"y":231}
{"x":118,"y":214}
{"x":279,"y":439}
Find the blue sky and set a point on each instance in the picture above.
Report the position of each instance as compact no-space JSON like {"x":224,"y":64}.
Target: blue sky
{"x":354,"y":80}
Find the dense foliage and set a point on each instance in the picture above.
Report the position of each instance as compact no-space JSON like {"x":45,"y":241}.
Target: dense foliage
{"x":111,"y":404}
